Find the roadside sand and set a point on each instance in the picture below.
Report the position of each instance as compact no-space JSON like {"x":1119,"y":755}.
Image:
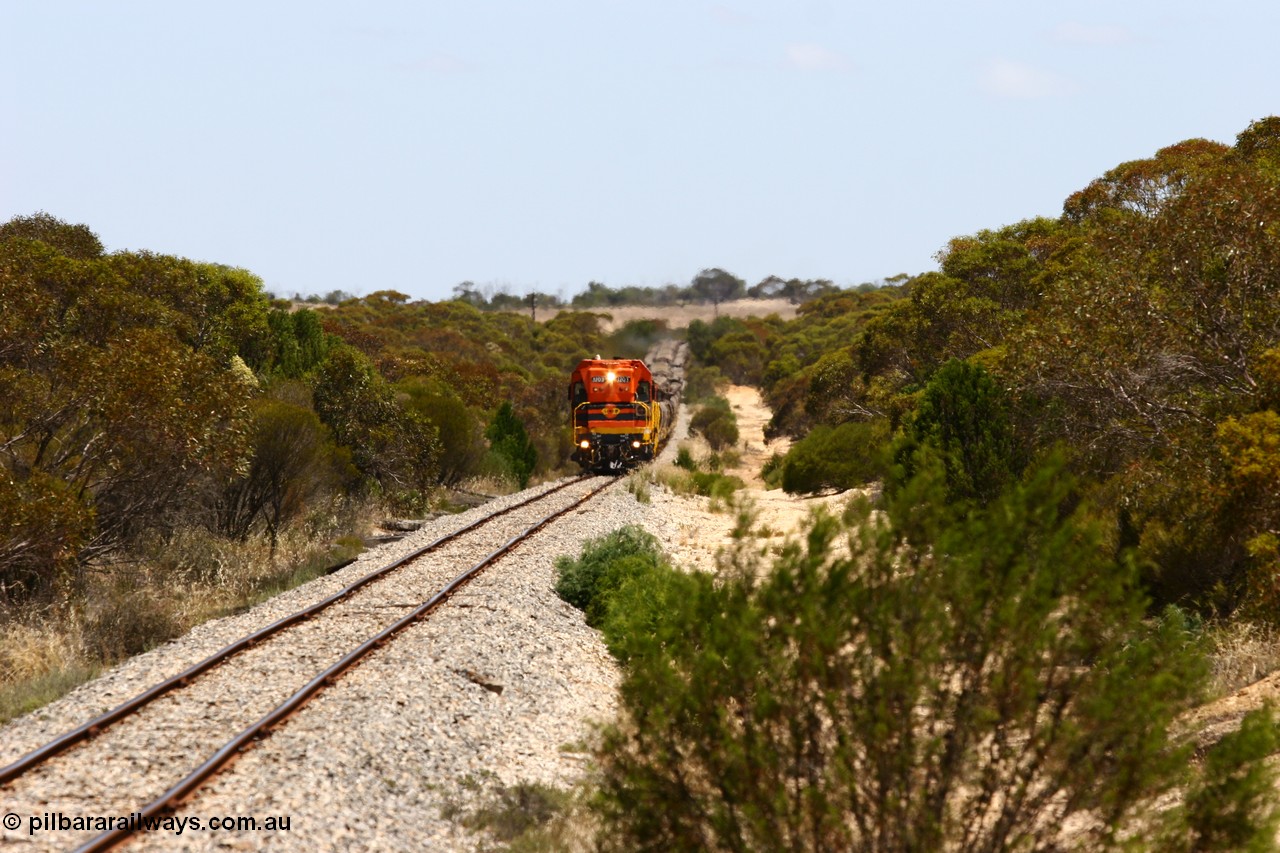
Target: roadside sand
{"x":699,"y":534}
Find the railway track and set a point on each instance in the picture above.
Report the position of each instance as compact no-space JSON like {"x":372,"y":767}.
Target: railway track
{"x":219,"y":706}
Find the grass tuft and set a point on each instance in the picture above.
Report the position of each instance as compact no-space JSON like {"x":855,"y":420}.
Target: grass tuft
{"x":1242,"y":653}
{"x":638,"y":486}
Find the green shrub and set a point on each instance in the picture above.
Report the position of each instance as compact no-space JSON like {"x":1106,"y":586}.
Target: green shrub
{"x":716,"y":422}
{"x":740,"y":356}
{"x":510,"y":441}
{"x":1233,"y":805}
{"x":295,"y":466}
{"x":702,"y":382}
{"x":841,"y":457}
{"x":605,"y":563}
{"x":678,"y":481}
{"x":638,"y":486}
{"x":704,"y":477}
{"x":965,"y":415}
{"x":462,"y":446}
{"x":389,"y":442}
{"x":730,"y":457}
{"x":297,"y":342}
{"x":949,"y":682}
{"x":771,"y":471}
{"x":43,"y":524}
{"x":646,"y":611}
{"x":713,"y":484}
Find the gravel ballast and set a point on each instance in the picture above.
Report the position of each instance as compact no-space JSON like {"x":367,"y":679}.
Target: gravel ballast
{"x":499,"y":685}
{"x":502,"y":685}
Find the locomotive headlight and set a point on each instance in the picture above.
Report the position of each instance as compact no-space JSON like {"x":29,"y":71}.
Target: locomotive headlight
{"x":635,"y":444}
{"x":585,"y":444}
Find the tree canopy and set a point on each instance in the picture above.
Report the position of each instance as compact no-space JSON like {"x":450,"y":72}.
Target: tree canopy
{"x":1136,"y":331}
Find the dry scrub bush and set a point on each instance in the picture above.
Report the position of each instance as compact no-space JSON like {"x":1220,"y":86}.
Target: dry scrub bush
{"x":675,"y":480}
{"x":163,"y":590}
{"x":1242,"y":653}
{"x":40,"y":660}
{"x":29,"y":649}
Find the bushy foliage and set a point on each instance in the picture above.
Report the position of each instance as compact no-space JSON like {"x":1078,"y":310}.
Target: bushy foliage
{"x":740,"y":356}
{"x":841,"y":457}
{"x":72,"y":241}
{"x":110,"y":436}
{"x":294,"y":465}
{"x":298,"y":343}
{"x":1132,"y":330}
{"x":959,"y":682}
{"x":510,"y":441}
{"x":460,"y":431}
{"x":589,"y":580}
{"x":709,"y":285}
{"x":771,"y":471}
{"x":965,"y":416}
{"x":982,"y":295}
{"x":715,"y":421}
{"x":390,"y":444}
{"x":129,"y":397}
{"x":783,"y":359}
{"x":44,"y":524}
{"x":701,"y":382}
{"x":599,"y":295}
{"x":794,"y":290}
{"x":483,"y":358}
{"x":1156,"y":317}
{"x":714,"y":285}
{"x":1231,"y":806}
{"x":715,"y":484}
{"x":703,"y":477}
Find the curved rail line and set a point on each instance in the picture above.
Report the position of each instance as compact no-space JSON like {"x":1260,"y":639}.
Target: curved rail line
{"x":192,"y":781}
{"x":98,"y":724}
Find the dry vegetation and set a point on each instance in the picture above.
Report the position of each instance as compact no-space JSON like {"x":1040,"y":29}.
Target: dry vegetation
{"x":171,"y":585}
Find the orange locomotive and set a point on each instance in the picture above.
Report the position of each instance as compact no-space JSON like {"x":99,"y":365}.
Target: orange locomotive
{"x":619,"y":414}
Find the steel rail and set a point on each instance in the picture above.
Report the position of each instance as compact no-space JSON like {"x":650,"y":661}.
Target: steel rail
{"x":188,"y":784}
{"x":98,"y":724}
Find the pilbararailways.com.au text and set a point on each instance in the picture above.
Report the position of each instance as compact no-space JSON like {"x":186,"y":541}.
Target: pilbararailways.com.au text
{"x":137,"y":822}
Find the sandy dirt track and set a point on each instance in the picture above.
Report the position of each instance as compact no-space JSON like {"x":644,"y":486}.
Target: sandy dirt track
{"x":703,"y":533}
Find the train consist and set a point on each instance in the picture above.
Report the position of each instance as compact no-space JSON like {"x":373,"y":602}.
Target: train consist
{"x":622,"y":409}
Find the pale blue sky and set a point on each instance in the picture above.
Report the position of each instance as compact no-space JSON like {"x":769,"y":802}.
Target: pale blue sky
{"x":415,"y":145}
